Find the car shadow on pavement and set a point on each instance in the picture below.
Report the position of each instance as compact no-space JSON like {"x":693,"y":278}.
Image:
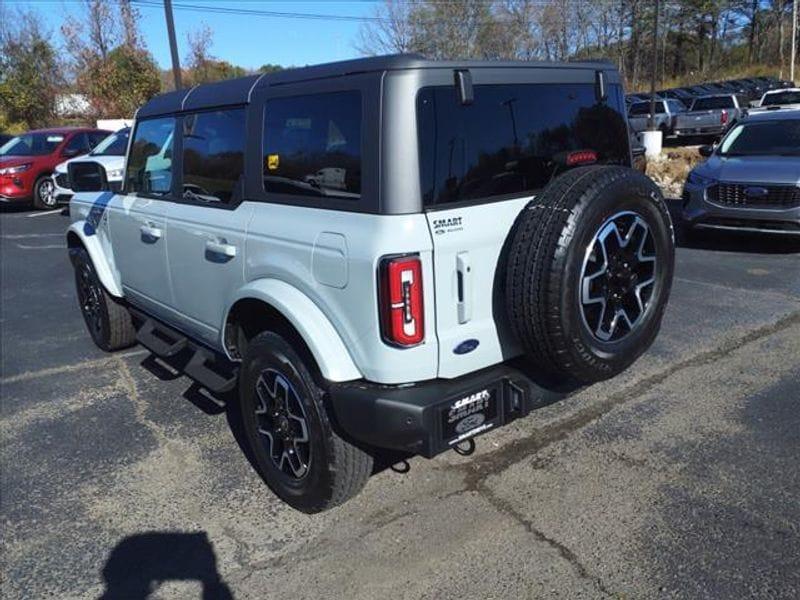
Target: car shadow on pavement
{"x":143,"y":561}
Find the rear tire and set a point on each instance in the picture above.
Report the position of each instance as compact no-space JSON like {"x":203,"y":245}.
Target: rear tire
{"x":288,"y":430}
{"x":108,"y":321}
{"x":580,"y":257}
{"x":44,"y":193}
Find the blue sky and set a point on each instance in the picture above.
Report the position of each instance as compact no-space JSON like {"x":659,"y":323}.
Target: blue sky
{"x":245,"y":40}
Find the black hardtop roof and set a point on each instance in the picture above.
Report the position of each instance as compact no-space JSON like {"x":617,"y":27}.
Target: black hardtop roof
{"x":237,"y":91}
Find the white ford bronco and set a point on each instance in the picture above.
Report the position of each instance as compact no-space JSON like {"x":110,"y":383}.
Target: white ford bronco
{"x":386,"y":253}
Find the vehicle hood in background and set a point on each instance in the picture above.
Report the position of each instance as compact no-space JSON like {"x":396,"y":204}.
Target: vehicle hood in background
{"x":753,"y":169}
{"x":110,"y":163}
{"x":13,"y":161}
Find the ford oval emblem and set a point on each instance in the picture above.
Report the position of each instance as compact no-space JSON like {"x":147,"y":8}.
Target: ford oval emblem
{"x":756,"y":192}
{"x":466,"y":346}
{"x":470,"y":422}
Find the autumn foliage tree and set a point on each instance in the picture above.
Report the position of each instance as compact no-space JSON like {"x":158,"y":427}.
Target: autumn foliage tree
{"x":111,"y":65}
{"x":29,"y":73}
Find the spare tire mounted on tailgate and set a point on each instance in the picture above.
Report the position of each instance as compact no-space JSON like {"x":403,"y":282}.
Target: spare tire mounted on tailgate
{"x":589,"y":272}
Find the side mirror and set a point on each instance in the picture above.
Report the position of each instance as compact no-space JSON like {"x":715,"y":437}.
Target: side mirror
{"x":87,"y":177}
{"x":706,"y":150}
{"x":70,"y":152}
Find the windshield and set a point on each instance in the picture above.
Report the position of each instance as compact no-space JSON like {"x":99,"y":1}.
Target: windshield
{"x":788,"y":97}
{"x":713,"y":102}
{"x":113,"y":145}
{"x":767,"y":138}
{"x":32,"y":144}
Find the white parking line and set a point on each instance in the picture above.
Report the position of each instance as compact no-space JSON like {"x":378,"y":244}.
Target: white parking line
{"x":43,"y":214}
{"x":22,"y":236}
{"x":44,"y":247}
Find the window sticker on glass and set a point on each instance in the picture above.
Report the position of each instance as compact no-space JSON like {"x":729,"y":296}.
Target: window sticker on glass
{"x":55,"y":139}
{"x":273,"y":161}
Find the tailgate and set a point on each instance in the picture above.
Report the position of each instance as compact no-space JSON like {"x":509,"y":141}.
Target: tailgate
{"x":467,"y":243}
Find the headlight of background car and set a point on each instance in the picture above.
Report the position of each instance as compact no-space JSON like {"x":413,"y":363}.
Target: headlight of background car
{"x":696,"y":179}
{"x":15,"y":170}
{"x":115,"y":174}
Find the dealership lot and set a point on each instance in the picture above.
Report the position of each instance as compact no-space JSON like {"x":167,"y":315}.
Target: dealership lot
{"x":677,"y":479}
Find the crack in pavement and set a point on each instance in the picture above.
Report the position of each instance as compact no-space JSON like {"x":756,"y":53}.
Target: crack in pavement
{"x":478,"y":471}
{"x":505,"y":507}
{"x":500,"y":459}
{"x":60,"y":370}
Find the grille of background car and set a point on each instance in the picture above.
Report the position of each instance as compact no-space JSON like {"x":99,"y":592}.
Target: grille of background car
{"x":62,"y":179}
{"x":734,"y":194}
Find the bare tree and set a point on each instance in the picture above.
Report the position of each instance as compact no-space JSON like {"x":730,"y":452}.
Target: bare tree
{"x":390,"y":31}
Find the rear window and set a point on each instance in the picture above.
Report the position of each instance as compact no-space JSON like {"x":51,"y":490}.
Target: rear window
{"x":776,"y":98}
{"x":312,"y":145}
{"x":643,"y":108}
{"x":513,"y":138}
{"x":713,"y":103}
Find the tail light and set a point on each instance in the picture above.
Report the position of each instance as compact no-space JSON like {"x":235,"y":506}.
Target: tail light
{"x":723,"y":118}
{"x":581,"y":157}
{"x":401,"y":301}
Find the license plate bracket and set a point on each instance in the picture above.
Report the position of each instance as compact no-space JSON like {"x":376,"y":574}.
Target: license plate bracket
{"x":471,"y":414}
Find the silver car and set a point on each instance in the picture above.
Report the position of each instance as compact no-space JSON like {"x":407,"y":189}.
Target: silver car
{"x":751,"y":180}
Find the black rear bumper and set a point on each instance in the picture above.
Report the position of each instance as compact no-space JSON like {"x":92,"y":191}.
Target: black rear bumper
{"x":416,"y":418}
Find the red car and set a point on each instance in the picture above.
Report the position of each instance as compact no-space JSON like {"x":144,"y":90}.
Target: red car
{"x":28,"y":160}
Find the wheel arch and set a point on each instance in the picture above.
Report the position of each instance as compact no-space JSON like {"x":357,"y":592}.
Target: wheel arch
{"x":274,"y":304}
{"x":77,"y":238}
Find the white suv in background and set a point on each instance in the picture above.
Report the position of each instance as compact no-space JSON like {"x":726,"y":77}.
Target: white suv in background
{"x":110,"y":154}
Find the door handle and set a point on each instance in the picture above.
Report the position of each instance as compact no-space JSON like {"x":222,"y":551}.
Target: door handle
{"x":464,"y":281}
{"x":221,"y":248}
{"x":150,"y":232}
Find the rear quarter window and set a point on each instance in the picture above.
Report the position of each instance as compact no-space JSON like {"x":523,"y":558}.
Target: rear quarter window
{"x":512,"y":139}
{"x":312,"y":145}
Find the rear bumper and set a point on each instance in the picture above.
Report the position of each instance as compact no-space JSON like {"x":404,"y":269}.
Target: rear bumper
{"x":699,"y":131}
{"x":430,"y":417}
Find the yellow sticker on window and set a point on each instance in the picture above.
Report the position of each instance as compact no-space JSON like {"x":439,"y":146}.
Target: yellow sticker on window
{"x":273,"y":161}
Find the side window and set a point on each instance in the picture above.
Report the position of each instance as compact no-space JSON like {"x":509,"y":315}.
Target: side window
{"x":150,"y":161}
{"x":312,"y":145}
{"x":213,"y":155}
{"x":512,"y":139}
{"x":78,"y":144}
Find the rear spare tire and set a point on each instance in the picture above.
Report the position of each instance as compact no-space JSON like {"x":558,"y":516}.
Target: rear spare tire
{"x":589,"y":272}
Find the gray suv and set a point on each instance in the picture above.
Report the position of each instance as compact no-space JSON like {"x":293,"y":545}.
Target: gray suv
{"x":387,"y":253}
{"x":751,"y":180}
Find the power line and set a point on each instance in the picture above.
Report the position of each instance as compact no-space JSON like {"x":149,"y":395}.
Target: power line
{"x":258,"y":12}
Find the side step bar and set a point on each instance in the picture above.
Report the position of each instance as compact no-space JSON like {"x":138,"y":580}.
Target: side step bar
{"x":212,"y":371}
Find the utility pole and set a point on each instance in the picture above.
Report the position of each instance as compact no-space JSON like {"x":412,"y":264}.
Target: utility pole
{"x":794,"y":39}
{"x":652,"y":123}
{"x":173,"y":45}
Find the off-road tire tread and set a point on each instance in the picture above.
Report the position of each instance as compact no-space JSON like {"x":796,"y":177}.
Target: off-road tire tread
{"x":349,"y":466}
{"x":536,"y":262}
{"x":121,"y":331}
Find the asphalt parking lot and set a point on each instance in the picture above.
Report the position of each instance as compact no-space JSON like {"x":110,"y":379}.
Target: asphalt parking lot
{"x":678,"y":479}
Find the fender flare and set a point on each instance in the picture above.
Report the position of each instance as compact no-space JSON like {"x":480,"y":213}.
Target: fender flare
{"x":101,"y":266}
{"x":319,"y":334}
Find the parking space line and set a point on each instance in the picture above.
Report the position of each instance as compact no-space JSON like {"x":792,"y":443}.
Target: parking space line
{"x":23,"y":236}
{"x":45,"y":247}
{"x":43,"y":214}
{"x":97,"y":362}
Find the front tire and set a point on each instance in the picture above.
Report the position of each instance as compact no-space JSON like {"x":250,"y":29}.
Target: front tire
{"x":109,"y":322}
{"x":288,"y":430}
{"x":44,"y":196}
